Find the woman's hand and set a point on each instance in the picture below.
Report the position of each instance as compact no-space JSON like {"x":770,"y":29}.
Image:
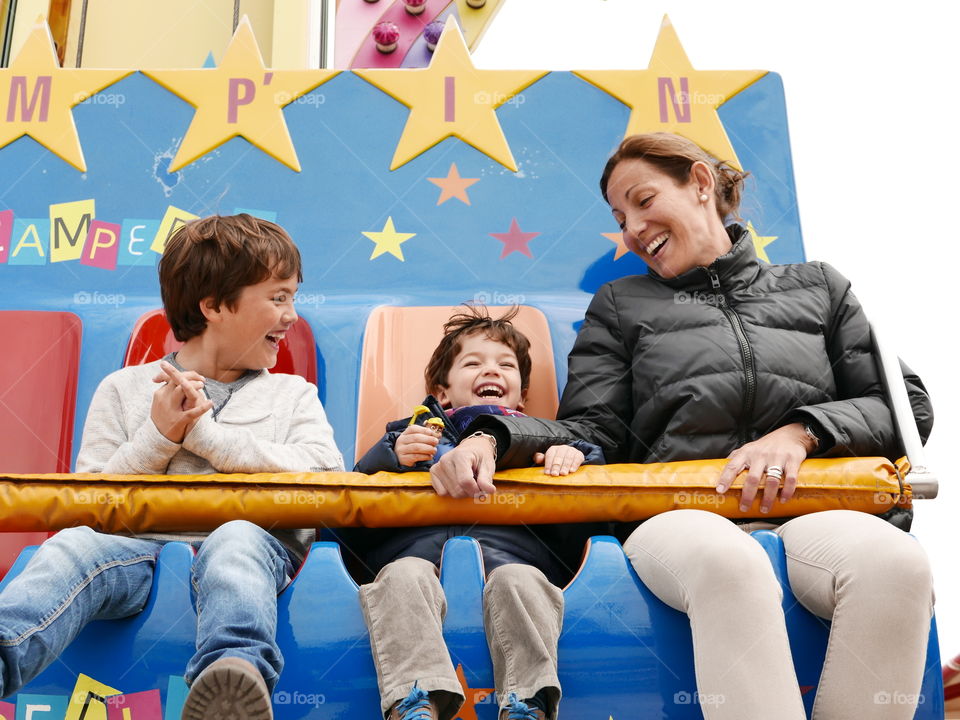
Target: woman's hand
{"x":785,"y":448}
{"x":559,"y":460}
{"x":465,"y":471}
{"x":416,"y":444}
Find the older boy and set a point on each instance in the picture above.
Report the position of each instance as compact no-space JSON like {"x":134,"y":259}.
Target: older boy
{"x":481,"y":366}
{"x":227,"y":285}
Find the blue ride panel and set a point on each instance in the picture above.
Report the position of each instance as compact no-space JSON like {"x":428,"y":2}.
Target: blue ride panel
{"x":462,"y":577}
{"x":328,"y":670}
{"x":623,"y":653}
{"x":560,"y":133}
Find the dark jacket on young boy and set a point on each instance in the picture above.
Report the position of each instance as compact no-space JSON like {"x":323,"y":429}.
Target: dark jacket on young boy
{"x":547,"y":547}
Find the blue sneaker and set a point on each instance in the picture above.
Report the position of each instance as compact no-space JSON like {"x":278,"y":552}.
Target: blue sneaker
{"x":415,"y":706}
{"x":516,"y":709}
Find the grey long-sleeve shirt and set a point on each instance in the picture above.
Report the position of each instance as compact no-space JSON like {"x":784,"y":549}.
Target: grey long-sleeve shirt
{"x":273,"y":423}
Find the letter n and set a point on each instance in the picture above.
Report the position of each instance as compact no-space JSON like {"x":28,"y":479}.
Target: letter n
{"x":681,"y":105}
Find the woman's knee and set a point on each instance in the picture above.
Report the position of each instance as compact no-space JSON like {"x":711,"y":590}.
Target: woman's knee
{"x":685,"y":555}
{"x":893,"y":564}
{"x":698,"y":544}
{"x":858,"y":549}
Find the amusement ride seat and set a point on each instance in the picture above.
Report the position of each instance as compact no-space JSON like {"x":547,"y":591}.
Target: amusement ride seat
{"x":38,"y":397}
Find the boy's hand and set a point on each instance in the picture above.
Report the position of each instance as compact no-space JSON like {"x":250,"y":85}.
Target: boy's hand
{"x":416,"y":444}
{"x":179,"y":403}
{"x":190,"y":382}
{"x":559,"y":460}
{"x":465,"y":471}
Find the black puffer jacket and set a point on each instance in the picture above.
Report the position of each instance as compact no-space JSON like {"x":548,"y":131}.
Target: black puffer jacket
{"x":695,"y":366}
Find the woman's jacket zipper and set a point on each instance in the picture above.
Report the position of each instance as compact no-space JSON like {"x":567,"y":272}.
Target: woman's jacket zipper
{"x":746,"y":352}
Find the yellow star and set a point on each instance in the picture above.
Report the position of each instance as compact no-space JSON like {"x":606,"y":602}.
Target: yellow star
{"x":388,"y":240}
{"x":453,"y":186}
{"x":670,"y":96}
{"x":240,"y":97}
{"x":36,"y":96}
{"x":760,"y":242}
{"x":617,"y":238}
{"x":451,"y":98}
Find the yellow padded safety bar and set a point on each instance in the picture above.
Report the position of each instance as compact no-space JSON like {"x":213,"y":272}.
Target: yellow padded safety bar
{"x":158,"y":503}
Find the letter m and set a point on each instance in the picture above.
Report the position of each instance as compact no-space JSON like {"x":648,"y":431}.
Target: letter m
{"x":681,"y":105}
{"x":18,"y":92}
{"x":60,"y":228}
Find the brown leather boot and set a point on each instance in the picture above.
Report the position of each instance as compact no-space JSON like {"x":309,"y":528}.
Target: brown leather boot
{"x":415,"y":706}
{"x":230,"y":688}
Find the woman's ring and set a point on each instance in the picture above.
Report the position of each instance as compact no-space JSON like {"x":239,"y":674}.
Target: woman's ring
{"x":775,"y":472}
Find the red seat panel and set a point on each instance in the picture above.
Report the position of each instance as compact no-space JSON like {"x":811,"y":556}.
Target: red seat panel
{"x":38,"y":399}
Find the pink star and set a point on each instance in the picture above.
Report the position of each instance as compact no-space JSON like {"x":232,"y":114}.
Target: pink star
{"x":515,"y":240}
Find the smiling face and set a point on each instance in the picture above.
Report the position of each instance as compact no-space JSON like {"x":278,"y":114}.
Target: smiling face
{"x":484,"y":372}
{"x":248,"y":336}
{"x":667,"y":223}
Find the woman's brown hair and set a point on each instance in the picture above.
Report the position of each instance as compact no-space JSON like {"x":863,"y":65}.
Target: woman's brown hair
{"x":674,"y":156}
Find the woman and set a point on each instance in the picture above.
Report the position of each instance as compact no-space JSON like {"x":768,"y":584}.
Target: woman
{"x":713,"y":354}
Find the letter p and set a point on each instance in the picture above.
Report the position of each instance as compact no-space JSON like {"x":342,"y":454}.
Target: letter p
{"x":241,"y":91}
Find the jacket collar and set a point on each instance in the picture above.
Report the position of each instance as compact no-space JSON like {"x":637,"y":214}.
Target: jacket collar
{"x":737,"y":269}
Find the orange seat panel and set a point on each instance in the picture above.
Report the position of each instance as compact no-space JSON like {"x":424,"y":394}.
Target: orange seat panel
{"x":398,"y":342}
{"x":152,"y":338}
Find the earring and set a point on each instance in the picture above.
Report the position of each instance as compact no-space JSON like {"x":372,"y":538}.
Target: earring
{"x":703,"y":197}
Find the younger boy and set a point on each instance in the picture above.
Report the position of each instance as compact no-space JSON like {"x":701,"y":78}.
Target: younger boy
{"x":227,"y":285}
{"x":481,"y":366}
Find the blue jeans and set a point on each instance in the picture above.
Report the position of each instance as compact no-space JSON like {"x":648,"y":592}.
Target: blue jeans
{"x":80,"y":575}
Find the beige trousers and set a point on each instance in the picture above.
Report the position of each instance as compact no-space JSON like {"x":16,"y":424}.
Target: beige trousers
{"x":404,"y":609}
{"x":870,"y":579}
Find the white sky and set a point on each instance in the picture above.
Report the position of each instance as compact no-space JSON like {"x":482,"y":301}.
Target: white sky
{"x":872,"y":94}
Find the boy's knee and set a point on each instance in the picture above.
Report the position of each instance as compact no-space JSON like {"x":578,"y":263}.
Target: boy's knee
{"x":407,"y":578}
{"x":237,"y":537}
{"x":75,"y":545}
{"x":409,"y":572}
{"x":514,"y":577}
{"x":520,"y":582}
